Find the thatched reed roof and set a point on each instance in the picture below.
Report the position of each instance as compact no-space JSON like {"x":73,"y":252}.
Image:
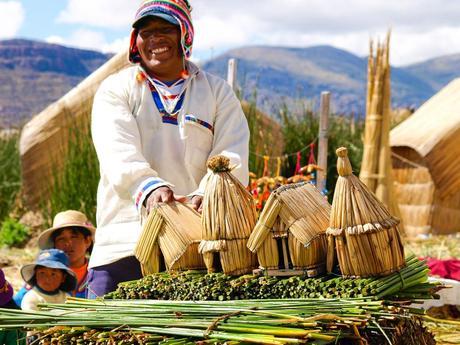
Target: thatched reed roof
{"x":45,"y":137}
{"x":301,"y":207}
{"x":432,"y":131}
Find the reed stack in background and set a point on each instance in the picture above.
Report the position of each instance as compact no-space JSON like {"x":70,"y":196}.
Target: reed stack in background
{"x":376,"y":163}
{"x":228,"y":217}
{"x":171,"y":233}
{"x":291,"y":231}
{"x":362,"y":232}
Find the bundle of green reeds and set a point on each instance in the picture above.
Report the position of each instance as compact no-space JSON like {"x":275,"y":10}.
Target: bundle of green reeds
{"x":172,"y":230}
{"x":411,"y":283}
{"x":309,"y":321}
{"x":295,"y":216}
{"x":228,"y":217}
{"x":362,"y":232}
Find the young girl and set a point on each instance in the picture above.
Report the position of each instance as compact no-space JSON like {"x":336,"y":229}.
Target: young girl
{"x":73,"y":234}
{"x":50,"y":277}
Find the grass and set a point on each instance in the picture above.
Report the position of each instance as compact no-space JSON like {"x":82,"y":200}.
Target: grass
{"x":75,"y":186}
{"x":10,"y":173}
{"x":301,"y":128}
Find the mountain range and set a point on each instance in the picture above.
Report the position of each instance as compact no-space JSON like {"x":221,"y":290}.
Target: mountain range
{"x":33,"y":74}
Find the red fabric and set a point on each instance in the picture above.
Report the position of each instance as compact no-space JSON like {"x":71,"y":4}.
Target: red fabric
{"x":311,"y":158}
{"x":297,"y":165}
{"x":449,"y":268}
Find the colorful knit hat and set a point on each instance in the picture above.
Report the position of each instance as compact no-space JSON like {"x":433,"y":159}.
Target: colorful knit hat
{"x":174,"y":11}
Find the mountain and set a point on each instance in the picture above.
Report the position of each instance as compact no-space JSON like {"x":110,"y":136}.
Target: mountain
{"x":437,"y":72}
{"x":284,"y":74}
{"x":34,"y":74}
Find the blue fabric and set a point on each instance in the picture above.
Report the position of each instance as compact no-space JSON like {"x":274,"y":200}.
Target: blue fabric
{"x":17,"y":298}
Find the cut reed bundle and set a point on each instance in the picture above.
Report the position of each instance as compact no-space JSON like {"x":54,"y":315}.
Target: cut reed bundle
{"x":410,"y":283}
{"x":376,"y":162}
{"x":362,"y":231}
{"x":291,"y":230}
{"x":228,"y":217}
{"x":173,"y":229}
{"x":308,"y":321}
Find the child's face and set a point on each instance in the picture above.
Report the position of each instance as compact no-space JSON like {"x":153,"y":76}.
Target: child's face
{"x":49,"y":279}
{"x":74,"y":244}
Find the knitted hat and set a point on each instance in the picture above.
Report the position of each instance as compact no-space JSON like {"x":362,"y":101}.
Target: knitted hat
{"x":51,"y":258}
{"x":176,"y":12}
{"x":6,"y":290}
{"x":65,"y":219}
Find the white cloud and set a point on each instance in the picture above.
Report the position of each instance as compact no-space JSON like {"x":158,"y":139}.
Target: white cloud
{"x":11,"y":18}
{"x":112,"y":14}
{"x":92,"y":40}
{"x":421,"y":28}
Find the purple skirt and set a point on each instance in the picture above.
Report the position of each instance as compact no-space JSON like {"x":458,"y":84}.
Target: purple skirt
{"x":104,"y":279}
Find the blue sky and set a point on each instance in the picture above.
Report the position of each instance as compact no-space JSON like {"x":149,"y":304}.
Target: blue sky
{"x":421,"y":29}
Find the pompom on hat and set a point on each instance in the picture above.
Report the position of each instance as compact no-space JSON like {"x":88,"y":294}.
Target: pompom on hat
{"x":65,"y":219}
{"x":6,"y":290}
{"x":51,"y":258}
{"x":176,"y":12}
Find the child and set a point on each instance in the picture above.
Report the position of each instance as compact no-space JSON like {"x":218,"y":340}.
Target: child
{"x":74,"y":234}
{"x":50,"y":278}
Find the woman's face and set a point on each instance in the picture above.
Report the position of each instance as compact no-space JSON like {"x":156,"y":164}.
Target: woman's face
{"x":75,"y":244}
{"x":158,"y":42}
{"x":49,"y":279}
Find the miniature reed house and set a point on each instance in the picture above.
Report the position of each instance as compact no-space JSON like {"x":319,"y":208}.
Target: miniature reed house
{"x":171,"y":234}
{"x":290,"y":235}
{"x":228,"y":217}
{"x":362,"y":232}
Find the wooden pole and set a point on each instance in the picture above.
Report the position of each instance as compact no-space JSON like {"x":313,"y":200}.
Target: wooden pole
{"x":323,"y":140}
{"x":231,"y":74}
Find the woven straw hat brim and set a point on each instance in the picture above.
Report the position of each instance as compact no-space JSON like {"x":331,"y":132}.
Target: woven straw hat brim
{"x":45,"y":242}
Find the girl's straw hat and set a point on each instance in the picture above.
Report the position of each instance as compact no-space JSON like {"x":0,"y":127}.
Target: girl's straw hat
{"x":65,"y":219}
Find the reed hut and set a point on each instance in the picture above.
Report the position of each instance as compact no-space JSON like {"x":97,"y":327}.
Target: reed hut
{"x":362,"y":232}
{"x":426,"y":165}
{"x":44,"y":138}
{"x":170,"y":235}
{"x":290,"y":235}
{"x":228,"y":217}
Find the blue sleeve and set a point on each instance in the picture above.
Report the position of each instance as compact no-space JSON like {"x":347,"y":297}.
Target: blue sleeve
{"x":17,"y":298}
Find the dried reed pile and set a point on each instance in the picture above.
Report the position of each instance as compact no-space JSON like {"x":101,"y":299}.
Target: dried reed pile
{"x":174,"y":231}
{"x":291,"y":230}
{"x":44,"y":139}
{"x":228,"y":217}
{"x":376,"y":163}
{"x":362,"y":232}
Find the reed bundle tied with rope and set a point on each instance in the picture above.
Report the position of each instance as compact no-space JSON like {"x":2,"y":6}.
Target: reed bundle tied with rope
{"x":291,"y":230}
{"x":228,"y":217}
{"x":362,"y":232}
{"x":172,"y":230}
